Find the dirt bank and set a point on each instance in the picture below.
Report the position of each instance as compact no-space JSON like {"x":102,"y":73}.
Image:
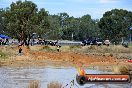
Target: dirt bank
{"x":40,"y":58}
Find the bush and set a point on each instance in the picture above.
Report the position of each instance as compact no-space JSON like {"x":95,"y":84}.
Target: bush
{"x":2,"y":55}
{"x":124,"y":70}
{"x":34,"y":84}
{"x":121,"y":70}
{"x":54,"y":85}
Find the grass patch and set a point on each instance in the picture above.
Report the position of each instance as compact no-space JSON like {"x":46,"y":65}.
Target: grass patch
{"x":49,"y":48}
{"x":121,"y":70}
{"x":74,"y":46}
{"x":106,"y":49}
{"x":0,"y":63}
{"x":34,"y":84}
{"x":54,"y":85}
{"x":45,"y":48}
{"x":65,"y":48}
{"x":92,"y":47}
{"x":84,"y":49}
{"x":3,"y":55}
{"x":36,"y":47}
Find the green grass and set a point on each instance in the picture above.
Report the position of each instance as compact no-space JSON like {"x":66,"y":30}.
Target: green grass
{"x":2,"y":55}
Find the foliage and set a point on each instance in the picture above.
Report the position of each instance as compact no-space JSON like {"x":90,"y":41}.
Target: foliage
{"x":1,"y":20}
{"x":54,"y":31}
{"x":23,"y":19}
{"x":69,"y":28}
{"x":115,"y":23}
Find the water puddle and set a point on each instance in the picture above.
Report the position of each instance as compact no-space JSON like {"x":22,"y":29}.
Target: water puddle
{"x":21,"y":77}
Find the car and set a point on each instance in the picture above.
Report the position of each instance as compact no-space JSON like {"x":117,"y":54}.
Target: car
{"x":107,"y":42}
{"x":91,"y":41}
{"x":86,"y":42}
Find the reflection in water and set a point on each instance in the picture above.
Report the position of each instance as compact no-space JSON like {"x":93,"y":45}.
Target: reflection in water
{"x":20,"y":78}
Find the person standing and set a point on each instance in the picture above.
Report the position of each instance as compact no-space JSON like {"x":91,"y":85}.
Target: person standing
{"x":58,"y":48}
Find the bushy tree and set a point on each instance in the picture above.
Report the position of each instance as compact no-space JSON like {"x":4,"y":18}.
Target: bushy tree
{"x":1,"y":21}
{"x":115,"y":23}
{"x":22,"y":19}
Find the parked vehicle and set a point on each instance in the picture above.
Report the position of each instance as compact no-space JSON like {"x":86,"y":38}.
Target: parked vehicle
{"x":52,"y":43}
{"x":92,"y":42}
{"x":86,"y":42}
{"x":107,"y":42}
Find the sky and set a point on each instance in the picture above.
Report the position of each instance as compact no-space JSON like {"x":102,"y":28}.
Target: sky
{"x":78,"y":8}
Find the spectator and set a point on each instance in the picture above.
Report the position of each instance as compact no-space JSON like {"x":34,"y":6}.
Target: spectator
{"x":20,"y":50}
{"x":58,"y":48}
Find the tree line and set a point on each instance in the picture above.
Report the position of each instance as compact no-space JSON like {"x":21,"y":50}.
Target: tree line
{"x":23,"y":18}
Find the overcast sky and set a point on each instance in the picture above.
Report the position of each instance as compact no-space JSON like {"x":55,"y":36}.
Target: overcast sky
{"x":78,"y":8}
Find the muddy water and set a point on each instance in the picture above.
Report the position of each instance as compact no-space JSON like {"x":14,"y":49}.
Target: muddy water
{"x":20,"y":77}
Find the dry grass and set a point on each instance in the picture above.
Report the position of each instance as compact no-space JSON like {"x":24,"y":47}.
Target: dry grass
{"x":121,"y":70}
{"x":54,"y":85}
{"x":84,"y":49}
{"x":10,"y":49}
{"x":34,"y":84}
{"x":65,"y":48}
{"x":43,"y":48}
{"x":0,"y":63}
{"x":105,"y":49}
{"x":2,"y":54}
{"x":36,"y":47}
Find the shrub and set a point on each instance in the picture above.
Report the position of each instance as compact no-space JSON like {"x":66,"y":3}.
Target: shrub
{"x":121,"y":70}
{"x":2,"y":55}
{"x":34,"y":84}
{"x":54,"y":85}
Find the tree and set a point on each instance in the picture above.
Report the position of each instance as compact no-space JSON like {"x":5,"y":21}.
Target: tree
{"x":88,"y":27}
{"x":55,"y":27}
{"x":115,"y":23}
{"x":63,"y":19}
{"x":22,"y":19}
{"x":1,"y":21}
{"x":79,"y":28}
{"x":72,"y":30}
